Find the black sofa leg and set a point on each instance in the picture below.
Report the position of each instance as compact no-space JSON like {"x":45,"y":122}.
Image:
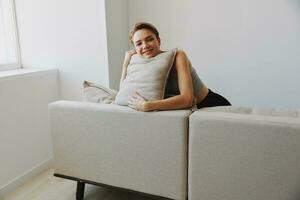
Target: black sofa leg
{"x":80,"y":190}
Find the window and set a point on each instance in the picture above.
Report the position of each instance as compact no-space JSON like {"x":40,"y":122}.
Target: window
{"x":9,"y":45}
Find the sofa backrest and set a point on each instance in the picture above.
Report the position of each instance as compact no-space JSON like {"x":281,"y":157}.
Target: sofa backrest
{"x":279,"y":112}
{"x":244,"y":153}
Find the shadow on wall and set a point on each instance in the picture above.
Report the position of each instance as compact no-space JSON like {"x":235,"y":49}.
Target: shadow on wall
{"x":295,"y":4}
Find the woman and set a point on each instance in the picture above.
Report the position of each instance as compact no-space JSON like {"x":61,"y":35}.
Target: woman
{"x":188,"y":86}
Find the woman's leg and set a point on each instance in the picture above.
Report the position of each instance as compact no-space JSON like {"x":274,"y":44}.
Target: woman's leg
{"x":213,"y":99}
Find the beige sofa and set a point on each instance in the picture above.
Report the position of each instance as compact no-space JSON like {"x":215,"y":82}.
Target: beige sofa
{"x":111,"y":145}
{"x":226,"y":153}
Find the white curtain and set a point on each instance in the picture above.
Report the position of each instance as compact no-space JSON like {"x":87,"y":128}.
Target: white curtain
{"x":8,"y":37}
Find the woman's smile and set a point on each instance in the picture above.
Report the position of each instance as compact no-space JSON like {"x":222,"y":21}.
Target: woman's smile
{"x":149,"y":51}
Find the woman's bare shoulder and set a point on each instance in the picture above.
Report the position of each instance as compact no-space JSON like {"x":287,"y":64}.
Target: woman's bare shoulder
{"x":181,"y":59}
{"x":180,"y":52}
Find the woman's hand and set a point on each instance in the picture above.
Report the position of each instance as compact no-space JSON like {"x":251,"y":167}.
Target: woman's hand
{"x":128,"y":55}
{"x":126,"y":62}
{"x":137,"y":102}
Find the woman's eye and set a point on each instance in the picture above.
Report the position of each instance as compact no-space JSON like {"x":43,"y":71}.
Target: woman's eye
{"x":150,"y":39}
{"x":138,"y":44}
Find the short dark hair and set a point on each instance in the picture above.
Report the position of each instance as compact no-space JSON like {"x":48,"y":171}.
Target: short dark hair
{"x":143,"y":25}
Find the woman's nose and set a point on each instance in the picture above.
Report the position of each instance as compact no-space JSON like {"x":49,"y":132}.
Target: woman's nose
{"x":145,"y":45}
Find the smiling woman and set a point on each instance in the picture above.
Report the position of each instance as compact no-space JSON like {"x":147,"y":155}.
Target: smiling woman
{"x":9,"y":47}
{"x":183,"y":88}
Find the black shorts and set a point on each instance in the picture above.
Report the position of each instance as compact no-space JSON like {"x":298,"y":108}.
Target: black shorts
{"x":213,"y":99}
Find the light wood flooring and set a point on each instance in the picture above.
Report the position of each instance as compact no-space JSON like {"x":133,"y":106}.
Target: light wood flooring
{"x":47,"y":187}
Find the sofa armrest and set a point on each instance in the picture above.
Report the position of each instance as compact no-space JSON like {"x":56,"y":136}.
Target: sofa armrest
{"x":118,"y":146}
{"x":238,"y":156}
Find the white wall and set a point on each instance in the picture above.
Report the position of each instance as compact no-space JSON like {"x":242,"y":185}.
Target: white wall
{"x":246,"y":50}
{"x":72,"y":37}
{"x":117,"y":38}
{"x":66,"y":34}
{"x":25,"y":141}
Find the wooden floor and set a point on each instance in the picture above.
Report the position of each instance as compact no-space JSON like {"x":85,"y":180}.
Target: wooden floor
{"x":47,"y":187}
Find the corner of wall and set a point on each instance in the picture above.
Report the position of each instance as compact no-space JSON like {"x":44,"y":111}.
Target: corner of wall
{"x":116,"y":13}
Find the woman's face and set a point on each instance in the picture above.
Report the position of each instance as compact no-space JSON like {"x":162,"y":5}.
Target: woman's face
{"x":146,"y":43}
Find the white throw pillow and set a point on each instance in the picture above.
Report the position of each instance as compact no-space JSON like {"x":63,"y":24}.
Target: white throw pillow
{"x":96,"y":93}
{"x":147,"y":76}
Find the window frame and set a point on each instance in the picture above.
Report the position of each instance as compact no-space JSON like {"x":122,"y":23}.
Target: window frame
{"x":18,"y":63}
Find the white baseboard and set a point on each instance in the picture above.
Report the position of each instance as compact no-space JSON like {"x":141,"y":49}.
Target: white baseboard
{"x":20,"y":180}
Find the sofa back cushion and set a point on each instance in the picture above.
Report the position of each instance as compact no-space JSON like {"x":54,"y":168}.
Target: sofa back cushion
{"x":148,"y":77}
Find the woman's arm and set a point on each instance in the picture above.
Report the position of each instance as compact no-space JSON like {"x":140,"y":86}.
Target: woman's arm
{"x":126,"y":62}
{"x":185,"y":84}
